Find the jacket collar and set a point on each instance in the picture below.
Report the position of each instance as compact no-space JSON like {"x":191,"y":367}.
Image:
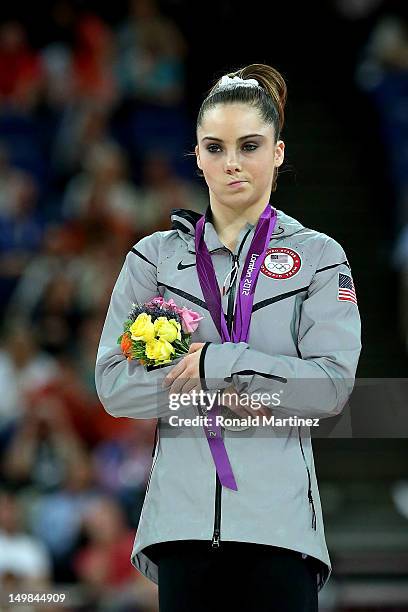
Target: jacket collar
{"x":184,"y":221}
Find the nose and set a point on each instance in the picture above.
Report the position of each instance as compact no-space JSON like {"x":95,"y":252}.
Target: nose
{"x":232,"y":164}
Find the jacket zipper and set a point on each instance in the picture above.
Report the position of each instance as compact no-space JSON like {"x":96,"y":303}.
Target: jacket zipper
{"x":215,"y":543}
{"x":156,"y":440}
{"x":309,"y":488}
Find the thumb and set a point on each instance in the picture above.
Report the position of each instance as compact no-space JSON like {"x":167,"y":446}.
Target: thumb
{"x":195,"y":346}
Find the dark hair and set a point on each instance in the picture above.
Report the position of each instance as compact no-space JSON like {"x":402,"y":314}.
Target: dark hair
{"x":269,"y":99}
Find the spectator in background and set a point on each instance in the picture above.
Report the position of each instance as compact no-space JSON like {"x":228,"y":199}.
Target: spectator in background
{"x":151,"y":54}
{"x":57,"y":55}
{"x":103,"y":198}
{"x":60,"y":252}
{"x":6,"y":173}
{"x":56,"y":517}
{"x":61,"y":28}
{"x":104,"y":560}
{"x":64,"y":291}
{"x":102,"y":564}
{"x":24,"y":368}
{"x":57,"y":314}
{"x":58,"y":76}
{"x":78,"y":394}
{"x":356,"y":9}
{"x":93,"y":60}
{"x":80,"y":87}
{"x":383,"y":74}
{"x":100,"y":260}
{"x":21,"y":231}
{"x":400,"y":261}
{"x":81,"y":128}
{"x":122,"y":464}
{"x":85,"y":350}
{"x":70,"y":389}
{"x":164,"y":190}
{"x":89,"y":266}
{"x":150,"y":69}
{"x":43,"y":446}
{"x":24,"y":560}
{"x":21,"y":71}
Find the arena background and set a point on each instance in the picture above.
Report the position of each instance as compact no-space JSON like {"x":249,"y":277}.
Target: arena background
{"x":97,"y":119}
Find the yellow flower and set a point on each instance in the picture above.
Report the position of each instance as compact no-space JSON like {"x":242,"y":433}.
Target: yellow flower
{"x":159,"y":350}
{"x":142,"y":328}
{"x":167,"y":329}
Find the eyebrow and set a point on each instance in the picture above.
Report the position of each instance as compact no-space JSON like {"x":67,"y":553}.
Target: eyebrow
{"x":241,"y":138}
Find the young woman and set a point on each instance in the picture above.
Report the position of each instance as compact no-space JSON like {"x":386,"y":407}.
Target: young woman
{"x":232,"y":511}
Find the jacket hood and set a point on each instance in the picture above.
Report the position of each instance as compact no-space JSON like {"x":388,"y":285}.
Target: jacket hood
{"x":184,"y":221}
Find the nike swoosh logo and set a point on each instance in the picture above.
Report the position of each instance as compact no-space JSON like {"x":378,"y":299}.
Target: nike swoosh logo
{"x":182,"y":266}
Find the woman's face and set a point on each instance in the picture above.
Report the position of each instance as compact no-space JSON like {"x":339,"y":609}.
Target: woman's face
{"x":234,"y":144}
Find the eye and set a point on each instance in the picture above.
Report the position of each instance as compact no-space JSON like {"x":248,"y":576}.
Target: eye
{"x":253,"y":147}
{"x":211,"y":149}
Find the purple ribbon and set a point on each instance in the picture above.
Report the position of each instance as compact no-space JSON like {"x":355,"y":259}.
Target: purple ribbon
{"x":242,"y":318}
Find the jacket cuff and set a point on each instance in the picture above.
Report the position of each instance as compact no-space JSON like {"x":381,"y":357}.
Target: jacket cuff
{"x":217,"y":362}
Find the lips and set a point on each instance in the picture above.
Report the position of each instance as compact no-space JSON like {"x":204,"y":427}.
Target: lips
{"x":236,"y":182}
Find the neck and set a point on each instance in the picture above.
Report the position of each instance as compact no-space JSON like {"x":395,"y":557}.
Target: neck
{"x":228,"y":222}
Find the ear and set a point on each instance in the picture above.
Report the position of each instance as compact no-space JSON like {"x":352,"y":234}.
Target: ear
{"x":279,"y":153}
{"x":197,"y":156}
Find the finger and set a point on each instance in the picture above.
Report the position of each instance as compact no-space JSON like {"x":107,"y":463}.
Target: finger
{"x":229,"y":390}
{"x":248,"y":409}
{"x":190,"y":385}
{"x":176,"y":386}
{"x":179,"y":382}
{"x":195,"y":346}
{"x":252,"y":411}
{"x":266,"y":412}
{"x":263,"y":410}
{"x":228,"y":397}
{"x":237,"y":409}
{"x":243,"y":409}
{"x":174,"y":373}
{"x":181,"y":392}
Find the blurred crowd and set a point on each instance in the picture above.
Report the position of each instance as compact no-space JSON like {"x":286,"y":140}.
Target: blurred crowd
{"x":94,"y":137}
{"x":382,"y":74}
{"x":94,"y":142}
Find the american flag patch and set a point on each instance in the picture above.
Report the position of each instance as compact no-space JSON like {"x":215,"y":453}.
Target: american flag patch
{"x":279,"y":257}
{"x":346,"y":291}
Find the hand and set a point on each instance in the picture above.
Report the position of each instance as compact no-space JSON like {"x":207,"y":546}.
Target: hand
{"x":195,"y":346}
{"x":185,"y":376}
{"x":231,"y":399}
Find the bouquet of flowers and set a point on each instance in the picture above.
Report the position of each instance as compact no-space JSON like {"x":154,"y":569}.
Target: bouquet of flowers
{"x":157,"y":332}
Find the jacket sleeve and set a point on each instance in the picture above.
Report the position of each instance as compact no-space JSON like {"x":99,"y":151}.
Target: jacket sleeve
{"x":319,"y":381}
{"x":126,"y":388}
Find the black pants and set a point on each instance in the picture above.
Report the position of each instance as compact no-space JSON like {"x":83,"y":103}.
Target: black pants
{"x":193,"y":577}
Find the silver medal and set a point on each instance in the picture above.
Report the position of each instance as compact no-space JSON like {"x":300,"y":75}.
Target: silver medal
{"x":226,"y":413}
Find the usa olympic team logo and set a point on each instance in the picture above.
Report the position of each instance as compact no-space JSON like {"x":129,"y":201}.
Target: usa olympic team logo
{"x":281,"y":263}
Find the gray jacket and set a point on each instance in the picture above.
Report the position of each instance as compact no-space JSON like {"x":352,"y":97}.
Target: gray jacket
{"x":304,"y":341}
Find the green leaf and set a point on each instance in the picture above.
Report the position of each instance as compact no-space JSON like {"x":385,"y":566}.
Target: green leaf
{"x":179,"y":344}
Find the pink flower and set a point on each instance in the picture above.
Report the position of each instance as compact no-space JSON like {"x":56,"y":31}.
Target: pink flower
{"x":189,"y":319}
{"x":171,"y":304}
{"x":159,"y":301}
